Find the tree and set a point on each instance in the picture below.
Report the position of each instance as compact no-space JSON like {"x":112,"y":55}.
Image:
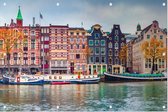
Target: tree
{"x":10,"y":38}
{"x":153,"y":50}
{"x":123,"y":54}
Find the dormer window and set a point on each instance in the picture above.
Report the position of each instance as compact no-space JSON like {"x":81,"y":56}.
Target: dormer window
{"x":116,"y":32}
{"x":97,"y":35}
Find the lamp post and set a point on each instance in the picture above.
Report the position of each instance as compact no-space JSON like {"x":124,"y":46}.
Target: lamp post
{"x":164,"y":54}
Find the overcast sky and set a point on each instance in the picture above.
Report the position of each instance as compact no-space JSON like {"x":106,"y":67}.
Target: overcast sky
{"x":127,"y":13}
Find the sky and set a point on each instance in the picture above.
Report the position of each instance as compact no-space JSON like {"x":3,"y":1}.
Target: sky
{"x":126,"y":13}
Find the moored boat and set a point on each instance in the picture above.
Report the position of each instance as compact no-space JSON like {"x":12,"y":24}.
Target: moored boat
{"x":73,"y":79}
{"x":134,"y":77}
{"x":22,"y":80}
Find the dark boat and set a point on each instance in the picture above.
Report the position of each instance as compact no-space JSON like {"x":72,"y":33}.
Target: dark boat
{"x":133,"y":77}
{"x":86,"y":81}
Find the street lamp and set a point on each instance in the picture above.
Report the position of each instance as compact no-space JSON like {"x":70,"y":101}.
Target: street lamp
{"x":164,"y":54}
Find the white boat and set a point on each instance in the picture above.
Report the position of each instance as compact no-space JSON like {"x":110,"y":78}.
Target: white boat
{"x":73,"y":79}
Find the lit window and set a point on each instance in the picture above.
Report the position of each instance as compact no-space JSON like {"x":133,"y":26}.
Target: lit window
{"x":116,"y":45}
{"x":110,"y":45}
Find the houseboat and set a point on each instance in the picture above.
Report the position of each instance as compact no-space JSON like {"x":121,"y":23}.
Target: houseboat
{"x":133,"y":77}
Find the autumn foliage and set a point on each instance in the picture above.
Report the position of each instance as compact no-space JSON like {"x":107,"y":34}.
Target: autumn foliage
{"x":153,"y":50}
{"x":10,"y":37}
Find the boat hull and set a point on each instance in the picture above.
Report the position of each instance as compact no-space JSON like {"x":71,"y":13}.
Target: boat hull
{"x":12,"y":81}
{"x":117,"y":78}
{"x":86,"y":81}
{"x":60,"y":83}
{"x":39,"y":82}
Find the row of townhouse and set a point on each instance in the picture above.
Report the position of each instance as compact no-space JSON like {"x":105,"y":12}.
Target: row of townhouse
{"x":63,"y":49}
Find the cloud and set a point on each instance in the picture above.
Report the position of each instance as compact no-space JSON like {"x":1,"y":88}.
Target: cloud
{"x":127,"y":13}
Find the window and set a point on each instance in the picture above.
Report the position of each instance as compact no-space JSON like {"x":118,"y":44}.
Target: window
{"x":91,"y":59}
{"x":110,"y":45}
{"x":110,"y":52}
{"x":103,"y":59}
{"x":90,"y":42}
{"x":155,"y":30}
{"x":83,"y":46}
{"x":97,"y":35}
{"x":71,"y":33}
{"x":71,"y":46}
{"x":102,"y":42}
{"x":116,"y":32}
{"x":97,"y":59}
{"x":46,"y":39}
{"x":148,"y":36}
{"x":116,"y":61}
{"x":116,"y":53}
{"x":77,"y":56}
{"x":32,"y":43}
{"x":25,"y":59}
{"x":122,"y":44}
{"x":77,"y":46}
{"x":15,"y":58}
{"x":116,"y":38}
{"x":122,"y":39}
{"x":161,"y":36}
{"x":32,"y":58}
{"x":150,"y":63}
{"x":25,"y":43}
{"x":103,"y":51}
{"x":32,"y":32}
{"x":71,"y":39}
{"x":96,"y":42}
{"x":46,"y":46}
{"x":1,"y":44}
{"x":97,"y":50}
{"x":116,"y":45}
{"x":78,"y":39}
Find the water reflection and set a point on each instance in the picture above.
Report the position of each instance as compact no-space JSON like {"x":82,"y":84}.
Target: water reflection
{"x":143,"y":96}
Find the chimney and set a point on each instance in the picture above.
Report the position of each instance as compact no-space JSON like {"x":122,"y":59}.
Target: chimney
{"x":33,"y":21}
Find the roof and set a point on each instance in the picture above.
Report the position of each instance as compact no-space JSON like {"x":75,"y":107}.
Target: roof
{"x":19,"y":15}
{"x":146,"y":29}
{"x":75,"y":28}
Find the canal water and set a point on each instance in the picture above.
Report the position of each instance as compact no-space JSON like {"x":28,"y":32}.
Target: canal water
{"x":134,"y":96}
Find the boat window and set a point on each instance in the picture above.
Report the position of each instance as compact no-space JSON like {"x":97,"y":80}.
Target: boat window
{"x":55,"y":77}
{"x":50,"y":77}
{"x":60,"y":77}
